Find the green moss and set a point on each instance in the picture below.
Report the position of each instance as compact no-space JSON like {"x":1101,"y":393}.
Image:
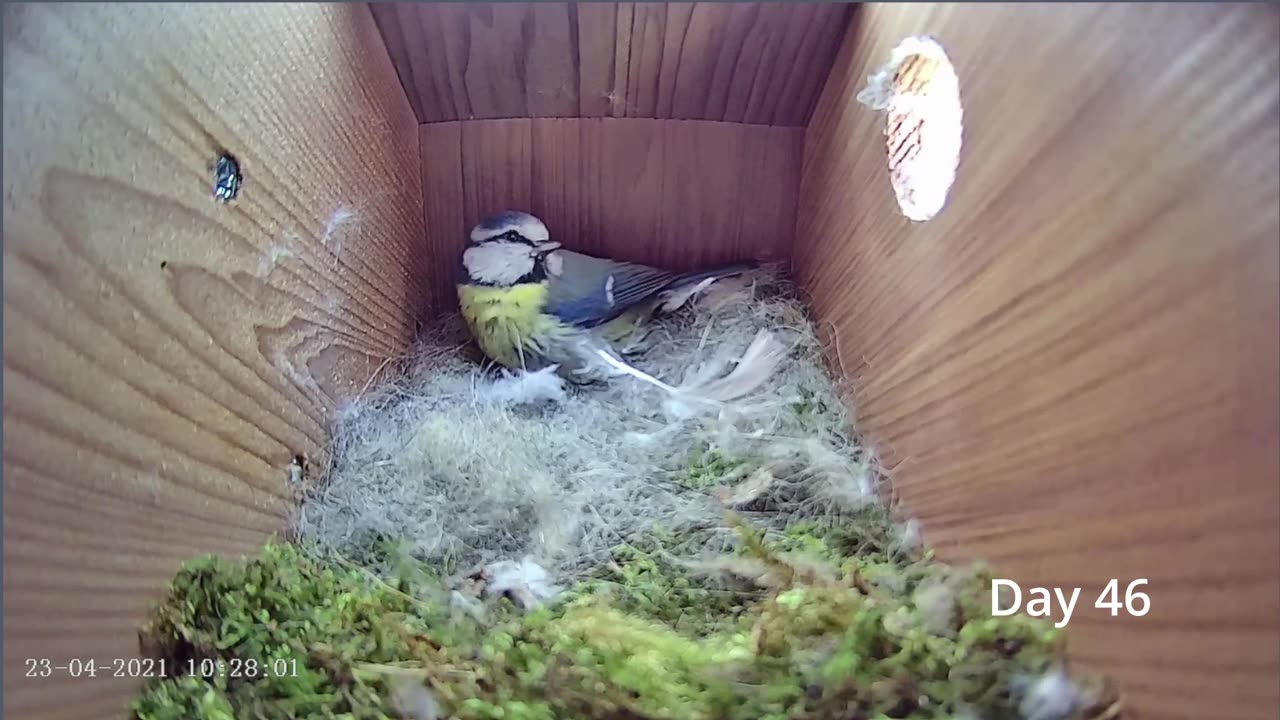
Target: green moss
{"x":186,"y":697}
{"x":809,"y":404}
{"x":709,"y":468}
{"x":646,"y":638}
{"x":651,"y":586}
{"x":285,"y":633}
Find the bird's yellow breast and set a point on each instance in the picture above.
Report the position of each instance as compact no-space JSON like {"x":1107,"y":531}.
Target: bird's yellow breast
{"x":507,"y":322}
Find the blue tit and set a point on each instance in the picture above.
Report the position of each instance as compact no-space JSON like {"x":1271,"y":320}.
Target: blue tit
{"x":530,"y":304}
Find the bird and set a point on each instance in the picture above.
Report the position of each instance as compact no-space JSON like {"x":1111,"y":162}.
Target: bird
{"x":531,"y":304}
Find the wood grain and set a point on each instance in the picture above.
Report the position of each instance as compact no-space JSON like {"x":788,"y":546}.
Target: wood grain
{"x":165,"y":356}
{"x":755,"y":63}
{"x":1072,"y":369}
{"x":677,"y":194}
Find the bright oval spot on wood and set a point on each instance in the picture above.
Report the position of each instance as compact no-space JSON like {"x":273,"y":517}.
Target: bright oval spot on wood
{"x":920,"y":94}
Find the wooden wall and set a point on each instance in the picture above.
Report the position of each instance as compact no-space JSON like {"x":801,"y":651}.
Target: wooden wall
{"x":759,"y":63}
{"x":1072,"y":370}
{"x":165,"y":357}
{"x":677,"y":194}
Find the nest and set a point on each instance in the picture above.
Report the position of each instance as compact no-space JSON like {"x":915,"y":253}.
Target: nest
{"x":460,"y":467}
{"x":702,"y":538}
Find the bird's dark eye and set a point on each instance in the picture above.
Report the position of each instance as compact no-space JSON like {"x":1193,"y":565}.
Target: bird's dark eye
{"x":511,"y":236}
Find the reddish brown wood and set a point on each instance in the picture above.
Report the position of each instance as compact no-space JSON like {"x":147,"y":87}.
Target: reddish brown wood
{"x":678,"y":194}
{"x":1072,"y":370}
{"x":165,"y":356}
{"x":758,"y":63}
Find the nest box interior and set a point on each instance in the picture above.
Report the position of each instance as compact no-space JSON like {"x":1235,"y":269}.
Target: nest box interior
{"x":1066,"y":356}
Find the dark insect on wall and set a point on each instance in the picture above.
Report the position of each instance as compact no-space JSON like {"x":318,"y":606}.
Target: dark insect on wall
{"x":227,"y":178}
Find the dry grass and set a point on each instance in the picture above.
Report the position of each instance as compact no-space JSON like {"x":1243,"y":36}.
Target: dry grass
{"x":461,"y":467}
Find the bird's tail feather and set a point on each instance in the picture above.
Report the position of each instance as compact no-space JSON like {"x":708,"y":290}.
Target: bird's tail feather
{"x":683,"y":287}
{"x":697,"y":276}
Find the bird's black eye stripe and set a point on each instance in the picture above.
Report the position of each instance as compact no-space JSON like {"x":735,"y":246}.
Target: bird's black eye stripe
{"x":509,"y":236}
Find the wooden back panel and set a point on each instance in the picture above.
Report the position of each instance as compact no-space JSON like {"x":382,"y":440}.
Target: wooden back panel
{"x":165,"y":357}
{"x":757,"y":63}
{"x":671,"y":193}
{"x":1072,"y":370}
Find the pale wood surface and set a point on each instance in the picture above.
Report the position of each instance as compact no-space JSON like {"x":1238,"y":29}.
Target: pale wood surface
{"x":1072,"y":370}
{"x":164,"y":356}
{"x":758,"y":63}
{"x":676,"y":194}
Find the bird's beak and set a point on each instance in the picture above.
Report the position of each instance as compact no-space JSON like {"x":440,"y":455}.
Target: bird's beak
{"x":545,"y":248}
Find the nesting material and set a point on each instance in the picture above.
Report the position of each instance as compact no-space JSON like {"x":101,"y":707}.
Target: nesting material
{"x":699,"y":539}
{"x":919,"y":92}
{"x":460,"y":467}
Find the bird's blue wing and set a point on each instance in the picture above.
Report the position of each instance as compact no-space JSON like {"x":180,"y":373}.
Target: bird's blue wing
{"x":587,"y":291}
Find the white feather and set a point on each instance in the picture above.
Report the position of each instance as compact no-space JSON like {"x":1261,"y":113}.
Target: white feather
{"x":524,"y":581}
{"x":676,"y":299}
{"x":524,"y":388}
{"x":1052,"y":696}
